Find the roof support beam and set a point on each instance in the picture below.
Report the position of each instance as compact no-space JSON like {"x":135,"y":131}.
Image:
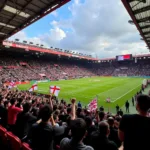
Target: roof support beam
{"x":145,"y":33}
{"x":20,"y":10}
{"x":145,"y":27}
{"x":141,"y":10}
{"x":144,"y":20}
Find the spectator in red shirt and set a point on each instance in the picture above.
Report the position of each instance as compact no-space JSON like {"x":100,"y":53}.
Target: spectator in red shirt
{"x":12,"y":114}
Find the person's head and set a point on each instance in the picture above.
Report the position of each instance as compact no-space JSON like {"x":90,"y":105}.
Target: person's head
{"x":88,"y":121}
{"x":13,"y":101}
{"x":56,"y":118}
{"x":111,"y":121}
{"x":101,"y":115}
{"x":78,"y":129}
{"x":142,"y":103}
{"x":26,"y":107}
{"x":68,"y":110}
{"x":104,"y":128}
{"x":1,"y":101}
{"x":6,"y":104}
{"x":45,"y":113}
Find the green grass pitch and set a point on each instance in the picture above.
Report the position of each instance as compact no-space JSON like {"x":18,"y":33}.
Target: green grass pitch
{"x":119,"y":89}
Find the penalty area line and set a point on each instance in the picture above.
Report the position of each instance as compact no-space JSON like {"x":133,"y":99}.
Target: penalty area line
{"x":126,"y":93}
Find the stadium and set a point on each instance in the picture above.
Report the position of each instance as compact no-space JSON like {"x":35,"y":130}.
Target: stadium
{"x":67,"y":91}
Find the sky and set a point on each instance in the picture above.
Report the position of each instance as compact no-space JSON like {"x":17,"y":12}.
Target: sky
{"x":93,"y":27}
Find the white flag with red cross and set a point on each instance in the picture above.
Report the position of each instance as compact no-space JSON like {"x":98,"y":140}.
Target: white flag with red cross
{"x":34,"y":87}
{"x":54,"y":90}
{"x":12,"y":84}
{"x":92,"y":106}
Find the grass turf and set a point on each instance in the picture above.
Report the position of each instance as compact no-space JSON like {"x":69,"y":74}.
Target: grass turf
{"x":119,"y":89}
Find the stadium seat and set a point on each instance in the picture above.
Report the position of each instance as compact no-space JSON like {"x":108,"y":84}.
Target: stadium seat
{"x":25,"y":146}
{"x":3,"y":137}
{"x":57,"y":147}
{"x":13,"y":141}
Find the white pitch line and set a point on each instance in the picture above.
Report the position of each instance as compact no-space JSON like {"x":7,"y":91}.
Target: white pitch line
{"x":125,"y":93}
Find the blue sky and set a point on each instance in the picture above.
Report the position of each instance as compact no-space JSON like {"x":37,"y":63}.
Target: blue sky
{"x":43,"y":25}
{"x":89,"y":26}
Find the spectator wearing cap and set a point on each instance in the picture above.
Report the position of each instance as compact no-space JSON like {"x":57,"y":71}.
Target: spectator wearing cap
{"x":99,"y":139}
{"x":134,"y":130}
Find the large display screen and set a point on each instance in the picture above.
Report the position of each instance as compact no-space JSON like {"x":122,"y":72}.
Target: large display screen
{"x":124,"y":57}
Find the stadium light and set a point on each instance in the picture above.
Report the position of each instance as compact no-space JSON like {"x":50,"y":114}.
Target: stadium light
{"x":131,"y":22}
{"x":24,"y":41}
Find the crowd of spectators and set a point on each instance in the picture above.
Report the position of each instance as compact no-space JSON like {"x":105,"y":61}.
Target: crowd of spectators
{"x":12,"y":69}
{"x":46,"y":123}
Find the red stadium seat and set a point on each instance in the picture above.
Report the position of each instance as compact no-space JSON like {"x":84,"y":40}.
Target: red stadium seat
{"x":13,"y":141}
{"x":57,"y":147}
{"x":25,"y":146}
{"x":3,"y":136}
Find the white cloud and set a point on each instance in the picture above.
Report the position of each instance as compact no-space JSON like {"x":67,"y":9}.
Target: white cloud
{"x":54,"y":13}
{"x":97,"y":26}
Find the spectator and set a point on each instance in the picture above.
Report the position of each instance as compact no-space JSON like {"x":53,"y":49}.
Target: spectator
{"x":78,"y":130}
{"x":90,"y":128}
{"x":120,"y":112}
{"x":24,"y":121}
{"x":117,"y":108}
{"x":12,"y":114}
{"x":113,"y":136}
{"x":41,"y":135}
{"x":4,"y":113}
{"x":101,"y":115}
{"x":133,"y":101}
{"x":134,"y":130}
{"x":99,"y":139}
{"x":127,"y":106}
{"x":79,"y":105}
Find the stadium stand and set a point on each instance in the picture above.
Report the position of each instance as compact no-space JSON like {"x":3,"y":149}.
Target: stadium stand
{"x":42,"y":122}
{"x":16,"y":65}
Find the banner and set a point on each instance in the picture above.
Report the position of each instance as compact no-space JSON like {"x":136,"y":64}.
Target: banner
{"x":43,"y":50}
{"x":40,"y":81}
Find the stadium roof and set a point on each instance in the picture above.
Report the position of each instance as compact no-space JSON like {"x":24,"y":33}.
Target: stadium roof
{"x":18,"y":14}
{"x":139,"y":11}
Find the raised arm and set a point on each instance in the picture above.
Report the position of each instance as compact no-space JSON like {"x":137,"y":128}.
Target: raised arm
{"x":73,"y":101}
{"x":50,"y":101}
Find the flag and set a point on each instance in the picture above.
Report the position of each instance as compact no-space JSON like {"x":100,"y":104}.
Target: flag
{"x":12,"y":85}
{"x":92,"y":106}
{"x":34,"y":87}
{"x":54,"y":90}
